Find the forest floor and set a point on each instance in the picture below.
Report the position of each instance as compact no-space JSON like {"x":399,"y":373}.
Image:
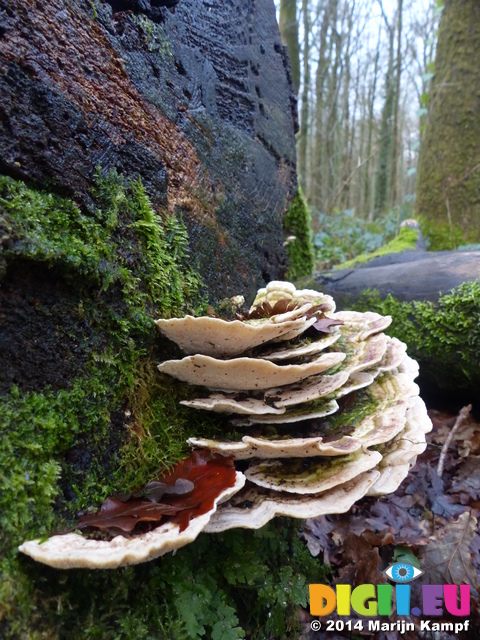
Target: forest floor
{"x":433,"y":515}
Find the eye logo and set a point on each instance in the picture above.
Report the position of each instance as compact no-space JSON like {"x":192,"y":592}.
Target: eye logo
{"x":402,"y":572}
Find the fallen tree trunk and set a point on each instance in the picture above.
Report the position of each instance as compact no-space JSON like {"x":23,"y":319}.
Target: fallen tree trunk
{"x":410,"y":275}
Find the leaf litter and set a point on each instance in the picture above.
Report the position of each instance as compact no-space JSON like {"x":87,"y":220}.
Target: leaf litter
{"x":431,"y":518}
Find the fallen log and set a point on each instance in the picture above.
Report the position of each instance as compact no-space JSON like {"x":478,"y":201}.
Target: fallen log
{"x":410,"y":275}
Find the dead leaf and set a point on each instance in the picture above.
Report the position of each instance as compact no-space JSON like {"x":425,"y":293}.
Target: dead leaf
{"x":466,"y":481}
{"x":188,"y":491}
{"x":324,"y":324}
{"x":448,"y":557}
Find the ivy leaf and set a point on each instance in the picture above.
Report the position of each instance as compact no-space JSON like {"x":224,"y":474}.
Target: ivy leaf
{"x":405,"y":554}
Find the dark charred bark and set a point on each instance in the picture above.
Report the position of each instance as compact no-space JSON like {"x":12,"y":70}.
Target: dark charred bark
{"x":198,"y":102}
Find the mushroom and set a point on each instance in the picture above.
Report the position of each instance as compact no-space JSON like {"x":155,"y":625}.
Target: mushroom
{"x":322,"y":430}
{"x":278,"y":290}
{"x":219,"y":338}
{"x":400,"y":454}
{"x":302,"y":349}
{"x":296,"y":476}
{"x":385,"y":421}
{"x":253,"y":507}
{"x":206,"y":480}
{"x":245,"y":374}
{"x":264,"y":448}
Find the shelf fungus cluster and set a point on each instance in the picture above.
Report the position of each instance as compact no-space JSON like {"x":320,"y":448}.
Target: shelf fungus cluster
{"x":320,"y":408}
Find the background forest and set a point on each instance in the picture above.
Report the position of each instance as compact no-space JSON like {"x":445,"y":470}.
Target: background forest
{"x":383,"y":120}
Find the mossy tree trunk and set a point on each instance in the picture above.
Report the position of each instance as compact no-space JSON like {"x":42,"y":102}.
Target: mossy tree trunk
{"x":448,"y":187}
{"x":147,"y":158}
{"x":197,"y":100}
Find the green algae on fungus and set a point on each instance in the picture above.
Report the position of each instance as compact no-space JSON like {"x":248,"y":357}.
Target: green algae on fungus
{"x":406,"y":239}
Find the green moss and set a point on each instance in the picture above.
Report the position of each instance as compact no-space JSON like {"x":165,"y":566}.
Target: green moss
{"x":298,"y":223}
{"x":111,"y":429}
{"x":406,"y":239}
{"x":123,"y":241}
{"x":440,"y":236}
{"x":443,"y":337}
{"x":154,"y":36}
{"x":45,"y":228}
{"x":447,"y":190}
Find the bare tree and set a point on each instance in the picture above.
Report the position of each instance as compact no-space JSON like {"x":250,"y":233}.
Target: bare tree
{"x":357,"y":144}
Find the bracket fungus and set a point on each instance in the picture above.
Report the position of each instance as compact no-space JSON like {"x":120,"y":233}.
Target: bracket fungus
{"x":323,"y":409}
{"x":313,"y":441}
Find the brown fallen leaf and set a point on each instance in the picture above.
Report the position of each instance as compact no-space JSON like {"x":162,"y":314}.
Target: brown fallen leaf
{"x":466,"y":481}
{"x":324,"y":324}
{"x":187,"y":491}
{"x":448,"y":557}
{"x":427,"y":514}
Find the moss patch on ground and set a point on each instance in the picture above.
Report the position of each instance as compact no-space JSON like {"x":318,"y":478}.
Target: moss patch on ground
{"x":298,"y":224}
{"x":406,"y":239}
{"x":444,"y":337}
{"x":110,"y":425}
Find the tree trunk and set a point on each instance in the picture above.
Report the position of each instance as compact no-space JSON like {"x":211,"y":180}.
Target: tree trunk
{"x":449,"y":166}
{"x":304,"y":114}
{"x":315,"y":197}
{"x":368,"y":206}
{"x":396,"y":109}
{"x":329,"y":174}
{"x":196,"y":102}
{"x":289,"y":30}
{"x":383,"y":167}
{"x":147,"y":158}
